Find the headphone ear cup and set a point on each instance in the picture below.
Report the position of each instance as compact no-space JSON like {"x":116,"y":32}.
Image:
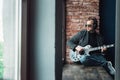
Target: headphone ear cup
{"x":94,"y":26}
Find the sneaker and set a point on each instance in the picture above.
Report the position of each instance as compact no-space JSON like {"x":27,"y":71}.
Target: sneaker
{"x":111,"y":68}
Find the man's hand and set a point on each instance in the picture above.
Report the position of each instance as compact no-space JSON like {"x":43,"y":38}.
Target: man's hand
{"x":79,"y":48}
{"x":103,"y":49}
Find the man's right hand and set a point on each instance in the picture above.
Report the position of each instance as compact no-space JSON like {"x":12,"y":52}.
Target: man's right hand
{"x":79,"y":48}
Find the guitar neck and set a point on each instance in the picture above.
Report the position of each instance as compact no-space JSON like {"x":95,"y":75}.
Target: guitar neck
{"x":100,"y":47}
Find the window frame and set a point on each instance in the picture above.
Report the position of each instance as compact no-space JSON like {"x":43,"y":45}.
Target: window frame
{"x":59,"y":37}
{"x":24,"y":11}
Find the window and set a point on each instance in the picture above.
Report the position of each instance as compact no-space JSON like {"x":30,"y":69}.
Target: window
{"x":10,"y":39}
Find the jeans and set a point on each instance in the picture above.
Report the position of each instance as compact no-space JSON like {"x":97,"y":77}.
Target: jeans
{"x":96,"y":60}
{"x":93,"y":60}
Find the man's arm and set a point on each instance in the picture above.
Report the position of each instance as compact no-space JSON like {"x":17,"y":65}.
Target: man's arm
{"x":73,"y":42}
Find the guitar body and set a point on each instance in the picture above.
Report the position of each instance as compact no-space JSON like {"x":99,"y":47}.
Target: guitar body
{"x":75,"y":57}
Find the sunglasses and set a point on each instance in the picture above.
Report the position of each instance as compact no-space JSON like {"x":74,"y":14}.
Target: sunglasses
{"x":88,"y":25}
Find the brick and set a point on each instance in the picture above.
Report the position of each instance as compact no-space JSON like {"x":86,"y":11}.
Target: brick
{"x":73,"y":9}
{"x":74,"y":25}
{"x":75,"y":20}
{"x":69,"y":13}
{"x":68,"y":24}
{"x":68,"y":33}
{"x":76,"y":17}
{"x":75,"y":3}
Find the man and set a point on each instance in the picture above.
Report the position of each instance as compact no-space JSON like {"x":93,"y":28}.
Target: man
{"x":89,"y":36}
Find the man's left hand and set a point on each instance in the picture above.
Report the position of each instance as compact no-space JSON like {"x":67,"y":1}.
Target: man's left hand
{"x":103,"y":49}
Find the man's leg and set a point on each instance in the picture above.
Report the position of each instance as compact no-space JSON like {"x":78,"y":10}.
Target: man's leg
{"x":94,"y":60}
{"x":109,"y":68}
{"x":99,"y":60}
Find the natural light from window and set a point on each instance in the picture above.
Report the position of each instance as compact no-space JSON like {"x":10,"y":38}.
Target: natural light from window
{"x":10,"y":39}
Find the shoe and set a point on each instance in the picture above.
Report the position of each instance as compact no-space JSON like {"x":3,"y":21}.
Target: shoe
{"x":111,"y":68}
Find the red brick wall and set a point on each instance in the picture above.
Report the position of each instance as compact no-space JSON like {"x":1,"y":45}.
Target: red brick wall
{"x":77,"y":12}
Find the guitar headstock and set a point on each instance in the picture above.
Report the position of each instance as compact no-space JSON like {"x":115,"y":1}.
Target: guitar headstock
{"x":112,"y":45}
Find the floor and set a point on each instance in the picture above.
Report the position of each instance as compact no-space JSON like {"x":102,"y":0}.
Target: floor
{"x":80,"y":72}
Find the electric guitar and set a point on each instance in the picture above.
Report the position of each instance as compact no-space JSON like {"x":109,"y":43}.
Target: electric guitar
{"x":76,"y":56}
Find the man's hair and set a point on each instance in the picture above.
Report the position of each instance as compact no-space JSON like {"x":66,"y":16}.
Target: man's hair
{"x":95,"y":22}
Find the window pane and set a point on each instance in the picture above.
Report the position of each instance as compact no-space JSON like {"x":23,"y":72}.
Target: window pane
{"x":1,"y":43}
{"x":9,"y":39}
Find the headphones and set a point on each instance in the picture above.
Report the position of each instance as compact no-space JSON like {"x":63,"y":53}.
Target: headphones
{"x":95,"y":22}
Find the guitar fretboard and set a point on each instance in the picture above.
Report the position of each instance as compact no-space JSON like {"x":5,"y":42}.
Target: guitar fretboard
{"x":100,"y":47}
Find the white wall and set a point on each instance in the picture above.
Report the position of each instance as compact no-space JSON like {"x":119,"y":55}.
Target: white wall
{"x":45,"y":40}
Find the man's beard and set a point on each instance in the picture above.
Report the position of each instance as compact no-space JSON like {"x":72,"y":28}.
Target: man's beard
{"x":92,"y":31}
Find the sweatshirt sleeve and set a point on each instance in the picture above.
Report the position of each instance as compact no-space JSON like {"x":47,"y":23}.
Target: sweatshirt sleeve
{"x":73,"y":42}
